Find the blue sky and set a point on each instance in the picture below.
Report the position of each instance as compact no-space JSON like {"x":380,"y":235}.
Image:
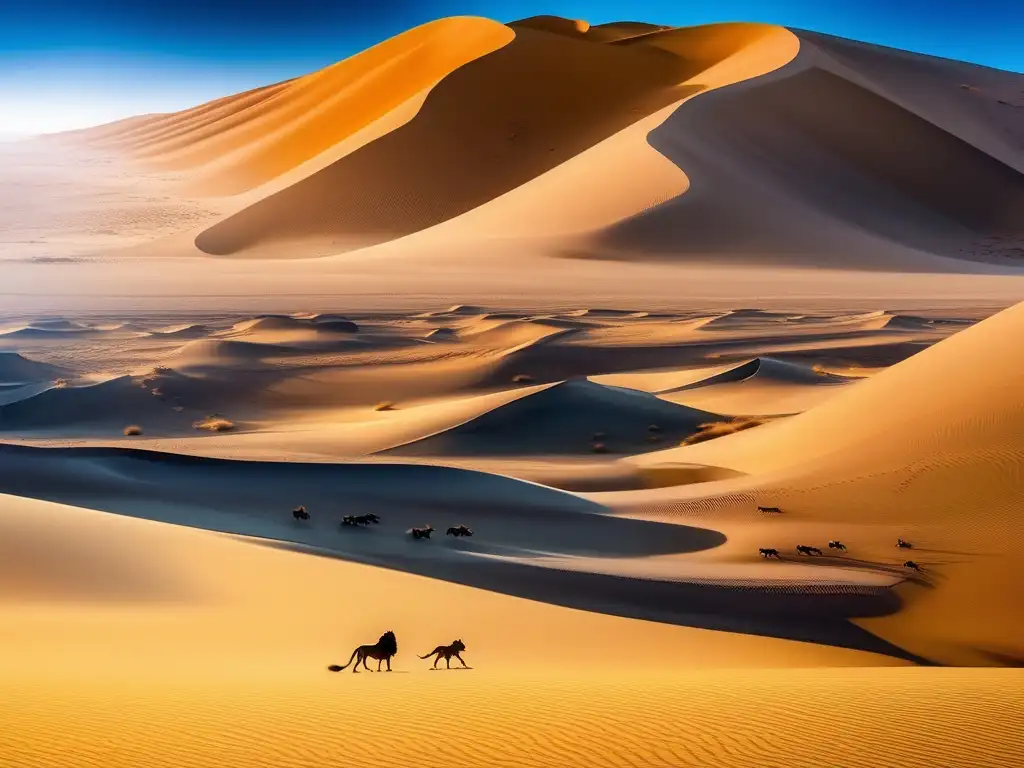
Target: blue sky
{"x":70,"y":63}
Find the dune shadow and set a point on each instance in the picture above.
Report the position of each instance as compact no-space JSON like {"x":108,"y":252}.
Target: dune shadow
{"x":509,"y":517}
{"x":807,"y":615}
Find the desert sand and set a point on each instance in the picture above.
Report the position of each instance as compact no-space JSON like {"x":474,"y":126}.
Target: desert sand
{"x":514,"y":277}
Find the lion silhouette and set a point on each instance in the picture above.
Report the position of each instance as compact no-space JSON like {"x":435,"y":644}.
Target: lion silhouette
{"x":382,"y":651}
{"x":446,"y":652}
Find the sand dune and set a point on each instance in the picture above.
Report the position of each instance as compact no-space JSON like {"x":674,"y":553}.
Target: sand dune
{"x":193,"y":331}
{"x":746,"y":164}
{"x":511,"y":553}
{"x":568,"y":417}
{"x":731,"y":144}
{"x":290,"y":330}
{"x":15,"y":369}
{"x":202,"y":664}
{"x":762,"y":386}
{"x":109,"y":406}
{"x":33,"y":332}
{"x":929,"y":447}
{"x":494,"y":113}
{"x":243,"y":141}
{"x":670,"y":537}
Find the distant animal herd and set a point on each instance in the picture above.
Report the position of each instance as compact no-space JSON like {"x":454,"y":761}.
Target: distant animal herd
{"x":301,"y":514}
{"x":806,"y":550}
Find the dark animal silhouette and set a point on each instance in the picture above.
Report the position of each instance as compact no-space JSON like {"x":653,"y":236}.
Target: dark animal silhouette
{"x":446,"y":652}
{"x":300,"y":513}
{"x":766,"y":553}
{"x":355,"y":520}
{"x":803,"y":549}
{"x":904,"y":544}
{"x":459,"y":530}
{"x":382,"y":651}
{"x":770,"y":510}
{"x":837,"y":545}
{"x":421,"y":533}
{"x":912,"y":565}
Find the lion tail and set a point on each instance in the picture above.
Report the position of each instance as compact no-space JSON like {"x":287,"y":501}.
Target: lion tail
{"x":339,"y":667}
{"x":436,"y":650}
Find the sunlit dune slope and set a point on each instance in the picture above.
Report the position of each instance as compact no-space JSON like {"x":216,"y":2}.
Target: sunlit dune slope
{"x":488,"y":127}
{"x":931,"y":449}
{"x":242,"y":141}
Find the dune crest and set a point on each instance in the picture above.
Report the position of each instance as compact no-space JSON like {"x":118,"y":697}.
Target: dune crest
{"x":243,"y":141}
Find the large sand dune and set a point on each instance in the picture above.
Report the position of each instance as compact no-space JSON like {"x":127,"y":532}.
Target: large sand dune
{"x":616,"y":160}
{"x":760,"y":154}
{"x":488,"y":127}
{"x":795,"y":146}
{"x":930,"y":447}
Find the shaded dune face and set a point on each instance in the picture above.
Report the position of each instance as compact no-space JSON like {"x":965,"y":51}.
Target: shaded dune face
{"x":829,"y":145}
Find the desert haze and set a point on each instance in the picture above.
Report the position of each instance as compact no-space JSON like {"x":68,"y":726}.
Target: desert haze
{"x":675,"y":371}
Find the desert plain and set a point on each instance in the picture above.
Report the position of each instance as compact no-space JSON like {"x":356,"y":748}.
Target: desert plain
{"x":603,"y":294}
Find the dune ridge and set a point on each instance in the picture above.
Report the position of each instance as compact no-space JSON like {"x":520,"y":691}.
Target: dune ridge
{"x":243,"y":141}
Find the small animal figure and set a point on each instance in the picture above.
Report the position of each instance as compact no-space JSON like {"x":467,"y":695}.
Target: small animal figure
{"x":837,"y":545}
{"x":770,"y":510}
{"x":446,"y":652}
{"x":803,"y":549}
{"x":766,"y":553}
{"x":382,"y":651}
{"x":300,"y":513}
{"x":912,"y":565}
{"x":421,"y":533}
{"x":904,"y":544}
{"x":459,"y":530}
